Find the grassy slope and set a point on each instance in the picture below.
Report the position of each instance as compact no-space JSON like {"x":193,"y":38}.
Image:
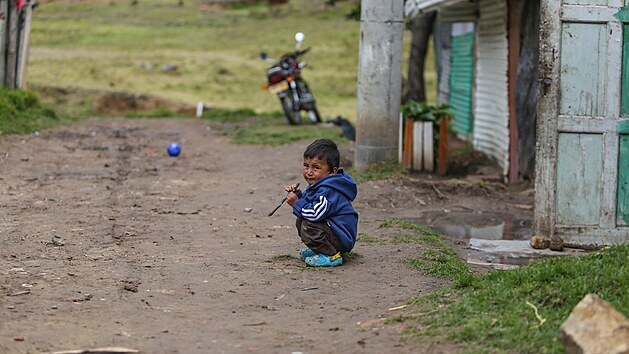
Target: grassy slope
{"x":111,"y":45}
{"x":491,"y":313}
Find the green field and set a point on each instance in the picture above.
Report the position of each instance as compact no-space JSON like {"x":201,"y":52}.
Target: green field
{"x":113,"y":45}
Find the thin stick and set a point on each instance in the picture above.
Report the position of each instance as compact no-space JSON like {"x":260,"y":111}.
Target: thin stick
{"x":277,"y":207}
{"x":282,"y":202}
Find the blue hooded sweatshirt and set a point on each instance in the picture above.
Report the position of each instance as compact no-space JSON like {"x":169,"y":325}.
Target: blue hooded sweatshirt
{"x":330,"y":200}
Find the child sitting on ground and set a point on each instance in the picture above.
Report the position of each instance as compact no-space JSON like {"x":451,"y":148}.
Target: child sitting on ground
{"x":326,"y":222}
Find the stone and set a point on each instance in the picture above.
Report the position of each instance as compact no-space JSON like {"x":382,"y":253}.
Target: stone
{"x":594,"y":326}
{"x":556,"y":243}
{"x":540,"y":242}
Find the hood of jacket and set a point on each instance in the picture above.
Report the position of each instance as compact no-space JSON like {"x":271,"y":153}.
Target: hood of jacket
{"x":341,"y":181}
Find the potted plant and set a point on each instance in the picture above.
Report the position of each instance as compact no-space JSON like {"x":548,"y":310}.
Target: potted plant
{"x":425,"y":131}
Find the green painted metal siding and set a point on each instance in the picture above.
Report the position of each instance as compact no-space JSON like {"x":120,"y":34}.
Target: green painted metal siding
{"x":461,"y":79}
{"x":625,"y":71}
{"x":579,"y":171}
{"x":623,"y":182}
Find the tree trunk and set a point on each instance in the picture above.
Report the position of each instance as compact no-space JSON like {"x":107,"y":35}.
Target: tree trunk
{"x":421,"y":28}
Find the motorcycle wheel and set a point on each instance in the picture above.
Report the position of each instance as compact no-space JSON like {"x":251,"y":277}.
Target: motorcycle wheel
{"x":311,"y":106}
{"x":293,"y":115}
{"x":314,"y":115}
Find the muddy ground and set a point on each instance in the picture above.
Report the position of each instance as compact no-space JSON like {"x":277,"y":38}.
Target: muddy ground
{"x":105,"y":240}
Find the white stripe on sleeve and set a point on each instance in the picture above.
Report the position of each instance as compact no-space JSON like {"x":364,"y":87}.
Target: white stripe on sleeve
{"x":317,"y":211}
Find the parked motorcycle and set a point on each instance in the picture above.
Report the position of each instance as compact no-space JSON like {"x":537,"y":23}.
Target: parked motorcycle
{"x":284,"y":79}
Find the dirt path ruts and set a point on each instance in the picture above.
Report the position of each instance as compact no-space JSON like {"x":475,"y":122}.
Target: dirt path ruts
{"x":161,"y":254}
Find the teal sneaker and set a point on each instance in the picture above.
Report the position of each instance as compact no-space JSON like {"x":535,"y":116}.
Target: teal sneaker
{"x":321,"y":260}
{"x":305,"y":253}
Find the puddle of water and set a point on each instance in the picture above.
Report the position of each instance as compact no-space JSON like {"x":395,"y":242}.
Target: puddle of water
{"x":482,"y":226}
{"x":506,"y":230}
{"x":495,"y":240}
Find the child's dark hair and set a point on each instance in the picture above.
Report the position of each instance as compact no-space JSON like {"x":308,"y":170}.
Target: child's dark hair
{"x":324,"y":149}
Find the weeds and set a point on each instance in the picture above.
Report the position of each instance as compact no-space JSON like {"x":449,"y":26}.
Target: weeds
{"x":158,"y":113}
{"x":491,"y":314}
{"x":272,"y":129}
{"x":21,"y":112}
{"x":379,"y":172}
{"x":438,"y":260}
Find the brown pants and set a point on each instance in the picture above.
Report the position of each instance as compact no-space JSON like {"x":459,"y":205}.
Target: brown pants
{"x":318,"y":237}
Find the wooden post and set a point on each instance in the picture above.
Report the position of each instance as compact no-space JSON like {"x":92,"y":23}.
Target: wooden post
{"x":12,"y":46}
{"x":429,"y":147}
{"x":418,"y":145}
{"x":443,"y":146}
{"x":25,"y":34}
{"x":408,"y":143}
{"x":4,"y":9}
{"x":512,"y":72}
{"x":400,"y":146}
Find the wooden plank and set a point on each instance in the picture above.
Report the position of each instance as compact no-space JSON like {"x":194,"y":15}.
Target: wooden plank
{"x":583,"y":77}
{"x":25,"y":34}
{"x":592,"y":235}
{"x":4,"y":10}
{"x":418,"y":145}
{"x":429,"y":150}
{"x":623,"y":182}
{"x":609,"y":183}
{"x":400,"y":147}
{"x":585,"y":124}
{"x":442,"y":153}
{"x":547,"y":110}
{"x":512,"y":72}
{"x":579,"y":170}
{"x":586,"y":14}
{"x":585,"y":2}
{"x":408,"y":144}
{"x":12,"y":45}
{"x":614,"y":71}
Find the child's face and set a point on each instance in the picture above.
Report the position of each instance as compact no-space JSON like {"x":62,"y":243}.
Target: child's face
{"x":315,"y":169}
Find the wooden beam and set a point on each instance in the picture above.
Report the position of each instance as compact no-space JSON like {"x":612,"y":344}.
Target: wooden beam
{"x":514,"y":61}
{"x":547,"y":111}
{"x":408,"y":144}
{"x":442,"y":153}
{"x":25,"y":33}
{"x":12,"y":45}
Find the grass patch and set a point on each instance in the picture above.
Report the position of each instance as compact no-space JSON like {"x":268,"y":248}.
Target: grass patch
{"x":228,"y":115}
{"x":352,"y":256}
{"x":371,"y":239}
{"x":158,"y":113}
{"x":283,"y":257}
{"x":272,"y":129}
{"x":379,"y":171}
{"x":438,"y":259}
{"x":491,"y":315}
{"x":115,"y":46}
{"x":22,"y":113}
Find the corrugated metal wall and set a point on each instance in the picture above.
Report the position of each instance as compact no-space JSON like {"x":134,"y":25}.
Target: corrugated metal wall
{"x":462,"y":76}
{"x":463,"y":12}
{"x":491,"y":104}
{"x":441,"y":40}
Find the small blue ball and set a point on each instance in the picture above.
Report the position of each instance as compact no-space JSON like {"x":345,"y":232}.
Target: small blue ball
{"x":174,"y":149}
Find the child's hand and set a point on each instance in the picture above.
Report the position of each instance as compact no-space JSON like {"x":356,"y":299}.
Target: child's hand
{"x":293,"y":188}
{"x":292,"y":198}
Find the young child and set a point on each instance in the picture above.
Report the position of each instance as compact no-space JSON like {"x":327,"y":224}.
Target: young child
{"x":326,"y":220}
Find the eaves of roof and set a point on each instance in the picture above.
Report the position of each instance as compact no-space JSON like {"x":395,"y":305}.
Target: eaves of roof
{"x":414,"y":8}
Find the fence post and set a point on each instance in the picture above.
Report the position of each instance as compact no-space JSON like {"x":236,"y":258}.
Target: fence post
{"x":443,"y":146}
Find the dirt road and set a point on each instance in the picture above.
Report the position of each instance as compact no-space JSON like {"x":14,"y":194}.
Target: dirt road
{"x":105,"y":240}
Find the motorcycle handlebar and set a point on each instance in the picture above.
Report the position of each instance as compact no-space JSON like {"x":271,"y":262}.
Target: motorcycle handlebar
{"x":302,"y":52}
